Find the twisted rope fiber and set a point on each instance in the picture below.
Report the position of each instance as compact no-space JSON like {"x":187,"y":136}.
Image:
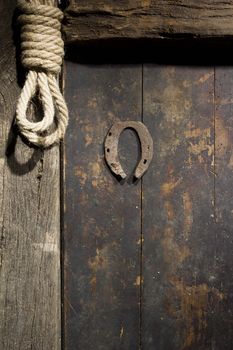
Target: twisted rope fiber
{"x":42,"y":54}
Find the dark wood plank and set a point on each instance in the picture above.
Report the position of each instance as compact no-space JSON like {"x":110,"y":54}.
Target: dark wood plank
{"x":29,"y":220}
{"x":88,"y":21}
{"x":223,"y":257}
{"x":102,"y":216}
{"x":180,"y":294}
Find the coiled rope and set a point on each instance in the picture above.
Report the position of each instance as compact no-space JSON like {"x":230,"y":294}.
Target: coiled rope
{"x":42,"y":55}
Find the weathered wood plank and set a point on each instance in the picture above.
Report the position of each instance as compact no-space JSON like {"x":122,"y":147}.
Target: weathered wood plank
{"x":223,"y":257}
{"x":101,"y":20}
{"x":181,"y":290}
{"x":29,"y":221}
{"x":102,"y":217}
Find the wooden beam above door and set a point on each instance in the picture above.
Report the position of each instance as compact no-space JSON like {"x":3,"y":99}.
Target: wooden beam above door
{"x":158,"y":20}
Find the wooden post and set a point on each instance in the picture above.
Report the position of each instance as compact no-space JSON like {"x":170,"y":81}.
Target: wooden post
{"x":30,"y":220}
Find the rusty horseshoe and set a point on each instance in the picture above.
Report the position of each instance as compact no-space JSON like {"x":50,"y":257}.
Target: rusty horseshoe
{"x":111,"y":147}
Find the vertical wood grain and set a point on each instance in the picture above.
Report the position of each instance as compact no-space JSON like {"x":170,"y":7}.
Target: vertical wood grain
{"x":179,"y":293}
{"x":223,"y":257}
{"x":185,"y":276}
{"x":29,"y":219}
{"x":102,"y":216}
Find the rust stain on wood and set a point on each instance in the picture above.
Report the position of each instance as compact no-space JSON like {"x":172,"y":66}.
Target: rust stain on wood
{"x":173,"y":253}
{"x":204,"y":78}
{"x":88,"y":139}
{"x":199,"y":144}
{"x":192,"y":309}
{"x":81,"y":174}
{"x":222,"y":140}
{"x":197,"y":148}
{"x":169,"y":210}
{"x":100,"y":261}
{"x":168,"y":187}
{"x":197,"y":132}
{"x":138,"y":281}
{"x":193,"y":300}
{"x":93,"y":284}
{"x":188,"y":214}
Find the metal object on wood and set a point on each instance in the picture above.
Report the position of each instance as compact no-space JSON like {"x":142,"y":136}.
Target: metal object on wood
{"x":111,"y":148}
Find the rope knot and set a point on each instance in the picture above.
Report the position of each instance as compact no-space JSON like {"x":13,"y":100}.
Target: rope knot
{"x":41,"y":42}
{"x":42,"y":53}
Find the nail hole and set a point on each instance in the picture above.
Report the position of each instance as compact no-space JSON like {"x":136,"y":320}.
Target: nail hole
{"x":145,"y":161}
{"x":108,"y":150}
{"x":148,"y":147}
{"x":110,"y":134}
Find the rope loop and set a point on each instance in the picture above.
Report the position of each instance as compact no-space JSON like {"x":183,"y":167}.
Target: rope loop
{"x":42,"y":55}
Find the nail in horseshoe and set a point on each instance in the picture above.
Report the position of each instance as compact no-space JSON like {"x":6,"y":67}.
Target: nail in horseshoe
{"x":111,"y":147}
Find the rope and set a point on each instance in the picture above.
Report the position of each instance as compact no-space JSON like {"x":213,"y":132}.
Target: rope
{"x":42,"y":55}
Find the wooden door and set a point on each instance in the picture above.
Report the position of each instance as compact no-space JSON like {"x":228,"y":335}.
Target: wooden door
{"x":145,"y":264}
{"x":148,"y":264}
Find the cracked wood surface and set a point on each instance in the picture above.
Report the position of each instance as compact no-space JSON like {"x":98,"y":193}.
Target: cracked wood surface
{"x":29,"y":220}
{"x":101,"y":20}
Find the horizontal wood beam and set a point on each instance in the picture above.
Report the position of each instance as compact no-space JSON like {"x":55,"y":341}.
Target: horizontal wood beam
{"x":160,"y":20}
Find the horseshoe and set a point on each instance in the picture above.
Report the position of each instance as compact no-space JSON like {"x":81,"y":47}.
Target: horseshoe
{"x":111,"y":147}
